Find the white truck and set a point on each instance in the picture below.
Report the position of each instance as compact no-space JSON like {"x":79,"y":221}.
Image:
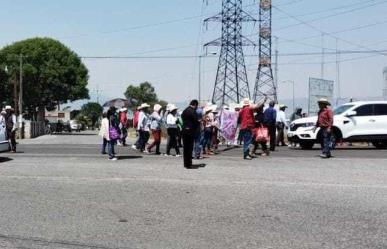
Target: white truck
{"x":363,"y":121}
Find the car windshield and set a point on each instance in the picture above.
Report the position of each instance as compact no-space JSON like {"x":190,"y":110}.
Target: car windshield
{"x":341,"y":109}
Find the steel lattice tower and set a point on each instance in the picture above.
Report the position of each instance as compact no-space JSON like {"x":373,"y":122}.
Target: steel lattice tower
{"x":231,"y":84}
{"x":264,"y":84}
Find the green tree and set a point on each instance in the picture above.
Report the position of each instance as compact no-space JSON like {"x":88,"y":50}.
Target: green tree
{"x":91,"y":111}
{"x":52,"y":74}
{"x":144,"y":93}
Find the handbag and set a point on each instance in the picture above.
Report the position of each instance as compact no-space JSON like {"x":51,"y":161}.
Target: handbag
{"x":262,"y":134}
{"x":113,"y":133}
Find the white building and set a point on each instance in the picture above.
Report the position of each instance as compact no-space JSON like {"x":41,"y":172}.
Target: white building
{"x":385,"y":83}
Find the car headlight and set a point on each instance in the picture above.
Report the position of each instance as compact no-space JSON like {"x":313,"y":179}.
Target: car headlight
{"x":306,"y":125}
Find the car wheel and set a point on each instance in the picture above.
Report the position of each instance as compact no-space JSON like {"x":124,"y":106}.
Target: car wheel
{"x":306,"y":145}
{"x":380,"y":145}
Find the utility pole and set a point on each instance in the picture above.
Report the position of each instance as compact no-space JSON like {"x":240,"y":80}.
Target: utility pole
{"x":200,"y":79}
{"x":21,"y":90}
{"x":338,"y":96}
{"x":97,"y":93}
{"x":322,"y":56}
{"x":276,"y":64}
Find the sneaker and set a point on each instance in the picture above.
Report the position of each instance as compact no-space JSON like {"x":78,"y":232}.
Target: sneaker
{"x":178,"y":155}
{"x":248,"y":158}
{"x":146,"y":151}
{"x":324,"y":156}
{"x":167,"y":155}
{"x":113,"y":159}
{"x":134,"y":147}
{"x":264,"y":154}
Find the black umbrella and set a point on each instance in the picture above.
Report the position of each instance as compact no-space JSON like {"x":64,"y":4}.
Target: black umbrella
{"x":119,"y":103}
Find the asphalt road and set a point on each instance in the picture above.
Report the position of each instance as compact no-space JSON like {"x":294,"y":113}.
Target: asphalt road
{"x":58,"y":192}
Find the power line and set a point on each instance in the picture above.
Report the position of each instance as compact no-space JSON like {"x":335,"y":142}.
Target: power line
{"x":346,"y":30}
{"x":325,"y":17}
{"x":341,"y":52}
{"x":327,"y":10}
{"x":322,"y":31}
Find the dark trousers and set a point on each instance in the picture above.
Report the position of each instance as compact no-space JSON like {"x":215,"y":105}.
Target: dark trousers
{"x":124,"y":135}
{"x":281,"y":134}
{"x":144,"y":137}
{"x":326,"y":143}
{"x":188,"y":142}
{"x":272,"y":133}
{"x":172,"y":141}
{"x":156,"y":140}
{"x":11,"y":135}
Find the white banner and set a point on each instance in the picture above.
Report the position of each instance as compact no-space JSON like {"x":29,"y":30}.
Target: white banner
{"x":319,"y":88}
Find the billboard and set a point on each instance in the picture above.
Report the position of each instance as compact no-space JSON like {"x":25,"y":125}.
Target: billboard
{"x":319,"y":88}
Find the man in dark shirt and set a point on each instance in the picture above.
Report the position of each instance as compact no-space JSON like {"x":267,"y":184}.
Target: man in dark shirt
{"x":270,"y":121}
{"x":190,"y":126}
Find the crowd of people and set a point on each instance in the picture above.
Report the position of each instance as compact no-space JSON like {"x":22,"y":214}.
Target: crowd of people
{"x":199,"y":130}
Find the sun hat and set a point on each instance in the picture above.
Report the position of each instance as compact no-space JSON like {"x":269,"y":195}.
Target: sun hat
{"x":157,"y":107}
{"x":324,"y":101}
{"x":144,"y":105}
{"x":172,"y":107}
{"x":246,"y":102}
{"x":8,"y":107}
{"x":282,"y":106}
{"x":124,"y":109}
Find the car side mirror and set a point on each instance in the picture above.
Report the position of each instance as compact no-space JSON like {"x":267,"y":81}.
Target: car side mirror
{"x":351,"y":113}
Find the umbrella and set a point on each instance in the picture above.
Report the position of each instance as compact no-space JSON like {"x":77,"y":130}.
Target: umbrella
{"x":119,"y":103}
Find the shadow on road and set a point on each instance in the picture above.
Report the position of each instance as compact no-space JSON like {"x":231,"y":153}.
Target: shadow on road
{"x":128,"y":157}
{"x":74,"y":134}
{"x":5,"y":159}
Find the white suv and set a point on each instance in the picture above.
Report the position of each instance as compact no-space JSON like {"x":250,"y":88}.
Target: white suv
{"x":364,"y":121}
{"x":4,"y":145}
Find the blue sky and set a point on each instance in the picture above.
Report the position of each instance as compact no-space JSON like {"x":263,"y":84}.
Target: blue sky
{"x":120,"y":28}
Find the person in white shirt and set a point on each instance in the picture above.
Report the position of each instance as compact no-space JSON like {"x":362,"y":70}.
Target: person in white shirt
{"x":143,"y":127}
{"x":11,"y":126}
{"x":172,"y":130}
{"x":281,"y":125}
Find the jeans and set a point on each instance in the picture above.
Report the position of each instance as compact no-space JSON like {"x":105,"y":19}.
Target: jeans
{"x":110,"y":145}
{"x":326,"y":143}
{"x":156,"y":141}
{"x":247,"y":137}
{"x":207,"y":138}
{"x":198,"y":143}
